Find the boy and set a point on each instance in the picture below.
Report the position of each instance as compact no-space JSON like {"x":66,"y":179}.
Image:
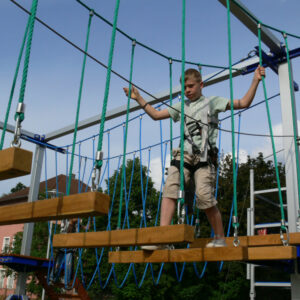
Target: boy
{"x":199,"y":143}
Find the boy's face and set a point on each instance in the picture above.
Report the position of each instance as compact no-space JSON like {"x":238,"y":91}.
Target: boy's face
{"x":193,"y":89}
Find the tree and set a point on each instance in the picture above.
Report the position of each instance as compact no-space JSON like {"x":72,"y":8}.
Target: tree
{"x":20,"y":186}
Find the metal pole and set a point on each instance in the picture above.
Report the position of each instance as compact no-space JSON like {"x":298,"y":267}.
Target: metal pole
{"x":53,"y":194}
{"x":290,"y":162}
{"x":252,"y":266}
{"x":28,"y":227}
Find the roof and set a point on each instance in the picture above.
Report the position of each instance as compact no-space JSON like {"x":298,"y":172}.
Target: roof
{"x":60,"y":181}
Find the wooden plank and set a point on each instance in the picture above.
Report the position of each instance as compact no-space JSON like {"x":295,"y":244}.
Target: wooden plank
{"x":171,"y":234}
{"x":179,"y":255}
{"x":14,"y":162}
{"x":253,"y":241}
{"x":205,"y":254}
{"x":77,"y":205}
{"x":272,"y":253}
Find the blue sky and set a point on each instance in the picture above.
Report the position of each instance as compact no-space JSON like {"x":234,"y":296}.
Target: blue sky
{"x":55,"y":66}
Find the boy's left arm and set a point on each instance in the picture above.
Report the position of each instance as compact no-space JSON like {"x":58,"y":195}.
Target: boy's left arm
{"x":246,"y":101}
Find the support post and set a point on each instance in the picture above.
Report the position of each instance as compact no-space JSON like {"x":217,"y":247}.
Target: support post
{"x":290,"y":161}
{"x":28,"y":227}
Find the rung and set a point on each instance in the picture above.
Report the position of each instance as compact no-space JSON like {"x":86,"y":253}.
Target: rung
{"x":171,"y":234}
{"x":14,"y":162}
{"x":205,"y":254}
{"x":179,"y":255}
{"x":253,"y":241}
{"x":76,"y":205}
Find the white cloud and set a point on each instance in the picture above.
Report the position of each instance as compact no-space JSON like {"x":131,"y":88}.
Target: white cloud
{"x":156,"y":170}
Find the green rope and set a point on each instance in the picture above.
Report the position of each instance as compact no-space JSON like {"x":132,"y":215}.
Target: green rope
{"x":171,"y":103}
{"x":103,"y":116}
{"x":125,"y":137}
{"x":293,"y":112}
{"x":271,"y":130}
{"x":79,"y":101}
{"x":27,"y":56}
{"x":14,"y":85}
{"x":181,"y":199}
{"x":234,"y":223}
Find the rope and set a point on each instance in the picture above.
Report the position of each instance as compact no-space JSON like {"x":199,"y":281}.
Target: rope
{"x":79,"y":101}
{"x":14,"y":85}
{"x":235,"y":221}
{"x":181,"y":196}
{"x":283,"y":226}
{"x":125,"y":137}
{"x":108,"y":74}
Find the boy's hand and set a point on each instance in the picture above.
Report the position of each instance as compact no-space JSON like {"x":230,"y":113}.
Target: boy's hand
{"x":259,"y":72}
{"x":134,"y":92}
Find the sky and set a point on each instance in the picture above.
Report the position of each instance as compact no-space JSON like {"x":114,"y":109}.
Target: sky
{"x":55,"y":68}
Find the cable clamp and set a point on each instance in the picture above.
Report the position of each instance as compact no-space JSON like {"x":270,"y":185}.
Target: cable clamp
{"x":92,"y":12}
{"x":283,"y":228}
{"x":16,"y":142}
{"x":134,"y":43}
{"x":180,"y":194}
{"x":259,"y":25}
{"x":20,"y":108}
{"x":236,"y":241}
{"x":284,"y":34}
{"x":298,"y":221}
{"x":170,"y":60}
{"x":197,"y":228}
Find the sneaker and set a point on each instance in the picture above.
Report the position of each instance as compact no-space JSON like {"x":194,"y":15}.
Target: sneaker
{"x":156,"y":247}
{"x":216,"y":243}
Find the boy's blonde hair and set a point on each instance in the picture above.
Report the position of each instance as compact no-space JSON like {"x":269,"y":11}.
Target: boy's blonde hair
{"x":192,"y":74}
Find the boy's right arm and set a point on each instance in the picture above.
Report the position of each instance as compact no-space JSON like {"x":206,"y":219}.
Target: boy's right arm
{"x":150,"y":110}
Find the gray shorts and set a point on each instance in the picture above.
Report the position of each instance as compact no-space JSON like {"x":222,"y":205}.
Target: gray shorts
{"x":204,"y":179}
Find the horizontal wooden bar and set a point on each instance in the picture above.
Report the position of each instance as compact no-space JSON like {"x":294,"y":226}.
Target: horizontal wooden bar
{"x":179,"y":255}
{"x":14,"y":162}
{"x":253,"y":241}
{"x":171,"y":234}
{"x":205,"y":254}
{"x":272,"y":253}
{"x":77,"y":205}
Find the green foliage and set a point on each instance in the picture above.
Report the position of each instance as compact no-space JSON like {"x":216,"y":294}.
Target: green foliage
{"x":20,"y":186}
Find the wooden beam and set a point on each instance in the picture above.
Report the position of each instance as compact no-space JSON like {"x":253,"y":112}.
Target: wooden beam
{"x":179,"y":255}
{"x":77,"y":205}
{"x":171,"y":234}
{"x":205,"y":254}
{"x":253,"y":241}
{"x":14,"y":162}
{"x":272,"y":253}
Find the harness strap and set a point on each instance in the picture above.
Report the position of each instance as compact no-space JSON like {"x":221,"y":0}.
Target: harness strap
{"x":192,"y":169}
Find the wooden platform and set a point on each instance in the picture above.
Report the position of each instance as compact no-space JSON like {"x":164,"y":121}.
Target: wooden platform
{"x":204,"y":254}
{"x":137,"y":236}
{"x":77,"y":205}
{"x":14,"y":162}
{"x":253,"y":241}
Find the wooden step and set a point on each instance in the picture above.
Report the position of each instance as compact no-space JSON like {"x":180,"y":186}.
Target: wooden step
{"x":14,"y":162}
{"x":205,"y":254}
{"x":179,"y":255}
{"x":253,"y":241}
{"x":77,"y":205}
{"x":137,"y":236}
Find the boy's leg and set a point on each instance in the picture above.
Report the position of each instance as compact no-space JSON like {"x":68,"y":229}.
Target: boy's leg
{"x":168,"y":206}
{"x":215,"y":219}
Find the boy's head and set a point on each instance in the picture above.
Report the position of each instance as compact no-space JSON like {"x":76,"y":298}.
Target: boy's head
{"x":193,"y":84}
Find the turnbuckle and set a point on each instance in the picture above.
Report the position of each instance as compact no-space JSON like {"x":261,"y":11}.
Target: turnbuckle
{"x":96,"y":174}
{"x":283,"y":228}
{"x":236,"y":241}
{"x":16,"y":142}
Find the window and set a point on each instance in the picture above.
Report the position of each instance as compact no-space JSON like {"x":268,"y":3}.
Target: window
{"x":10,"y":281}
{"x":6,"y":244}
{"x":2,"y":276}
